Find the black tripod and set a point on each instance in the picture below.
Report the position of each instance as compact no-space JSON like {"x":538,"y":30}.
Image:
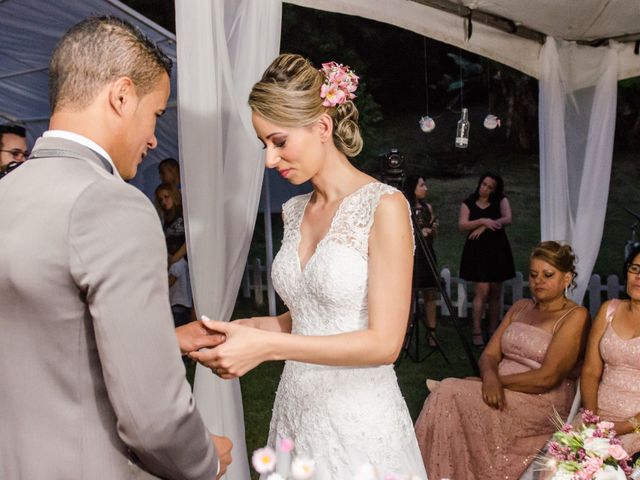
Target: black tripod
{"x":413,"y":332}
{"x":414,"y":320}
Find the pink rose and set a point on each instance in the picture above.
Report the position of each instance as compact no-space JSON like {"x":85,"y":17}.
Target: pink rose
{"x":339,"y":85}
{"x":605,"y":425}
{"x":617,"y":452}
{"x":588,"y":417}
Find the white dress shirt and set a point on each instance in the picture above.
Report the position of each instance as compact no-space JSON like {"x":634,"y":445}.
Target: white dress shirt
{"x":82,"y":140}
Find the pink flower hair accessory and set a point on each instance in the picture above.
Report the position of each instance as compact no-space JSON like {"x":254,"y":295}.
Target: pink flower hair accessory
{"x":339,"y":84}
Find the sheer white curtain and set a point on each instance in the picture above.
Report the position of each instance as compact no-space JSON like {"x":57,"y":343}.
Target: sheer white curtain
{"x":223,"y":48}
{"x":577,"y":103}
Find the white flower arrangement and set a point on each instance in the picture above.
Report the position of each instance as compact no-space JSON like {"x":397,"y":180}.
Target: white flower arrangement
{"x":279,"y":464}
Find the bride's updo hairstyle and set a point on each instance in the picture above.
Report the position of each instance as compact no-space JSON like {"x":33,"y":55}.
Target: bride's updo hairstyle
{"x":289,"y":94}
{"x":560,"y":256}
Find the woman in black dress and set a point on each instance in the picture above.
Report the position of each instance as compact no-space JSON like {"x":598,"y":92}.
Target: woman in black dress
{"x":486,"y":258}
{"x":415,"y":189}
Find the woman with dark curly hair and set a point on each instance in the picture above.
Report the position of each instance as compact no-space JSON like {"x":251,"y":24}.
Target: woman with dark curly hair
{"x":424,"y":280}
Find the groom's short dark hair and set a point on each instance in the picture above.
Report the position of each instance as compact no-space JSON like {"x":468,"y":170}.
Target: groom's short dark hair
{"x":96,"y":51}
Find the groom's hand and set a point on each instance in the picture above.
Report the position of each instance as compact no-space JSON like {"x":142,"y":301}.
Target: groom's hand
{"x":244,"y":348}
{"x":196,"y":335}
{"x":223,"y":447}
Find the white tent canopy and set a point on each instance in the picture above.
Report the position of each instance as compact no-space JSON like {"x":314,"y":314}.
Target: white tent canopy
{"x":508,"y":31}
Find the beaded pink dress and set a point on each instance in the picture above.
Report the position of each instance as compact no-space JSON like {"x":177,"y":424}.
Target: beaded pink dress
{"x":460,"y":437}
{"x":619,"y":390}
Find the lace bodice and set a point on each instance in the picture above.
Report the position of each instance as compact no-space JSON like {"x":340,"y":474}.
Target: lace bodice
{"x":330,"y":294}
{"x":343,"y":417}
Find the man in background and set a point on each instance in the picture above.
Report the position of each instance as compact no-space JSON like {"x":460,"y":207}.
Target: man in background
{"x":13,"y":146}
{"x":169,"y":170}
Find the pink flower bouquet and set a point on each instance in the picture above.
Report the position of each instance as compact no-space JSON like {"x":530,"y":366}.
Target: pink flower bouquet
{"x":591,"y":451}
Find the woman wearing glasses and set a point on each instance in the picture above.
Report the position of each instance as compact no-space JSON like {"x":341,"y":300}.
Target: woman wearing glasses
{"x":610,"y":379}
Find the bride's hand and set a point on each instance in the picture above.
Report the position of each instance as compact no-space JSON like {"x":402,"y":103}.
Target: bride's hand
{"x":194,"y":335}
{"x":243,"y":350}
{"x":247,"y":322}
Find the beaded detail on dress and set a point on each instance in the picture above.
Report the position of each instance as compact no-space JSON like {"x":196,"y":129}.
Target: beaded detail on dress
{"x":343,"y":417}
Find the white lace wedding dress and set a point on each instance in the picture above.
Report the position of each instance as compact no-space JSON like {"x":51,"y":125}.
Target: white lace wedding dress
{"x":342,"y":417}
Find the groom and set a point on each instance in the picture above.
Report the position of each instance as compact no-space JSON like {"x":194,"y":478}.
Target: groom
{"x":91,"y":381}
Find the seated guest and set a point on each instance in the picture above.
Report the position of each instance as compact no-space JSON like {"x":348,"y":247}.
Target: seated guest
{"x":170,"y":209}
{"x":610,"y":380}
{"x":13,"y":144}
{"x":493,"y":427}
{"x":169,"y":170}
{"x":13,"y":147}
{"x":180,"y":292}
{"x":169,"y":205}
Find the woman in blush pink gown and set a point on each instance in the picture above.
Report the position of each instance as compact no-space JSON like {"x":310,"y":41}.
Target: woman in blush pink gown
{"x":610,"y":380}
{"x":493,"y":427}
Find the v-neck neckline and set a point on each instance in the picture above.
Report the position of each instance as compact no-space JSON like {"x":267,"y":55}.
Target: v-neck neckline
{"x":301,"y":268}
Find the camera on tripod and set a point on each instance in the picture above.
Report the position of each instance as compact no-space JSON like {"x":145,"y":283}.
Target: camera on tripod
{"x":392,"y":168}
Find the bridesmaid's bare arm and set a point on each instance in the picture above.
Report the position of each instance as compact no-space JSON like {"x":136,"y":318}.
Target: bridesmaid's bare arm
{"x":562,"y":355}
{"x":492,"y":389}
{"x":593,"y":364}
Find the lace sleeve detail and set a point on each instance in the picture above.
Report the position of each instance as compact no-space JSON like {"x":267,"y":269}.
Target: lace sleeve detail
{"x":292,"y":211}
{"x":353,"y":226}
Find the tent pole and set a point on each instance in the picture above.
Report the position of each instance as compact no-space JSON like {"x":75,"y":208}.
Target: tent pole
{"x":268,"y":233}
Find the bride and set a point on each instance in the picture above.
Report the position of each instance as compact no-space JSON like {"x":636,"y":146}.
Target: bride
{"x":344,"y":272}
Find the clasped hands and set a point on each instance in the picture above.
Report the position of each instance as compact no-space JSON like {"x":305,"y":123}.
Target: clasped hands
{"x":487,"y":223}
{"x":229,"y":349}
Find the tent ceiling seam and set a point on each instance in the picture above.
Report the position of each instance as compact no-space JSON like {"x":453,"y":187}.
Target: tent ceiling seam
{"x":510,"y":26}
{"x":489,"y":19}
{"x":23,"y":72}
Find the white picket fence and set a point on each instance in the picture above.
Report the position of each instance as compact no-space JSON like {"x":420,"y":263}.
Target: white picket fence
{"x":254,"y":285}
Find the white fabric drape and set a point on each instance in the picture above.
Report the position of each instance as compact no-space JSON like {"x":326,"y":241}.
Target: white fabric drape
{"x":577,"y":106}
{"x":223,"y":48}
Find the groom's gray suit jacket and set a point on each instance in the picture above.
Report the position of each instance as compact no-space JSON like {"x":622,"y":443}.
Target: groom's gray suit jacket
{"x":91,"y":382}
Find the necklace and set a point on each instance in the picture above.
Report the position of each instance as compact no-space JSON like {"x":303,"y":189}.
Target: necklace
{"x":565,"y":302}
{"x":533,"y":320}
